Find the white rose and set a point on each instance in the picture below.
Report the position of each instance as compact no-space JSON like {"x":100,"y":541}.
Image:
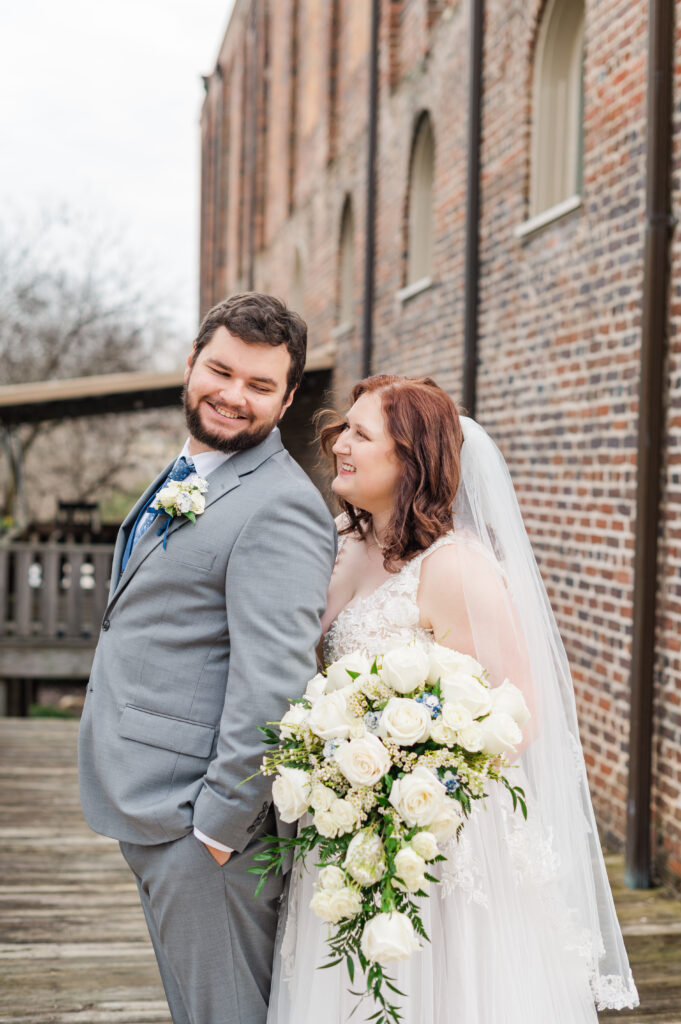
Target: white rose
{"x":296,"y":715}
{"x":201,"y":483}
{"x":337,"y":673}
{"x":331,"y":878}
{"x":405,"y":721}
{"x":346,"y":903}
{"x":510,"y":699}
{"x":446,"y":662}
{"x":291,"y":792}
{"x":405,"y":668}
{"x":321,"y":797}
{"x":167,"y":495}
{"x":365,"y":858}
{"x":418,"y":797}
{"x":324,"y":823}
{"x":322,"y":904}
{"x":357,"y":729}
{"x":470,"y":738}
{"x":463,"y":688}
{"x":453,"y":719}
{"x":410,"y":868}
{"x":198,"y":502}
{"x":363,"y":762}
{"x":425,"y":845}
{"x":345,"y":816}
{"x":389,"y":937}
{"x":500,"y":733}
{"x":315,"y":688}
{"x":446,"y":823}
{"x":330,"y":718}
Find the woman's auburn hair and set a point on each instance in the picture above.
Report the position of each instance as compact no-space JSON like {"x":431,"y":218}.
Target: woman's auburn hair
{"x":424,"y":424}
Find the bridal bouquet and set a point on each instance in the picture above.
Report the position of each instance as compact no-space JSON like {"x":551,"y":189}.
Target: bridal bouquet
{"x":387,"y":755}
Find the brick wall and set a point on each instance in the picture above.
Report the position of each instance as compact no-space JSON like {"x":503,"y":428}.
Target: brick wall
{"x":559,"y":316}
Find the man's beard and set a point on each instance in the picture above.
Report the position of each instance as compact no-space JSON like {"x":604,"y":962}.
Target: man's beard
{"x":246,"y":438}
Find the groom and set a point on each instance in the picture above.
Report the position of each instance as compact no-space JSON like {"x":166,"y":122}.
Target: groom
{"x":211,"y":627}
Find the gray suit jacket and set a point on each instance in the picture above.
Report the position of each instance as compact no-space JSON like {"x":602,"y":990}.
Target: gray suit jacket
{"x":200,"y":644}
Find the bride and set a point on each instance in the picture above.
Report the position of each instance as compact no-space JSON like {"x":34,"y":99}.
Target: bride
{"x":522,"y":927}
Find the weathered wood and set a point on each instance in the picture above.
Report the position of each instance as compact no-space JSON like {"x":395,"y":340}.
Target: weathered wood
{"x":23,"y":598}
{"x":4,"y":586}
{"x":49,"y":591}
{"x":66,"y":660}
{"x":73,"y":942}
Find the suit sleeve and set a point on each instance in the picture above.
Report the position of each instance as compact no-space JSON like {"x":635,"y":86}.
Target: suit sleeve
{"x":276,"y":586}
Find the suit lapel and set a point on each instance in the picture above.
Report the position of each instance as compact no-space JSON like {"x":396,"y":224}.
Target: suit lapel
{"x":222,"y":480}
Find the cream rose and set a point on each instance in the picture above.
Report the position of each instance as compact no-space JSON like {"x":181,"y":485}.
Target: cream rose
{"x":405,"y":668}
{"x":337,"y":673}
{"x":500,"y":733}
{"x":405,"y":721}
{"x":321,"y":797}
{"x":365,"y":858}
{"x":425,"y":844}
{"x":315,"y":688}
{"x":446,"y":823}
{"x":446,"y":662}
{"x":296,"y":715}
{"x":325,"y":824}
{"x":453,"y":719}
{"x":463,"y":688}
{"x":510,"y":699}
{"x":389,"y":937}
{"x":346,"y":903}
{"x":418,"y":797}
{"x":329,"y":718}
{"x":345,"y":816}
{"x":332,"y":878}
{"x":291,"y":793}
{"x":364,"y":761}
{"x":410,"y":868}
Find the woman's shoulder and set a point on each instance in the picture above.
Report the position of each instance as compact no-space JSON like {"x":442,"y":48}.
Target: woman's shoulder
{"x":456,"y":556}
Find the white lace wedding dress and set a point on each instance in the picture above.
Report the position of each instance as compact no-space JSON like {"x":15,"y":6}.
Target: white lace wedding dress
{"x":502,"y":950}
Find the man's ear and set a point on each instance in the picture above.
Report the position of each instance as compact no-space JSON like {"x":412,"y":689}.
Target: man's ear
{"x":188,"y":366}
{"x":287,"y":403}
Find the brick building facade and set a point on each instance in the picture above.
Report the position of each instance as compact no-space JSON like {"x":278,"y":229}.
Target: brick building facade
{"x":559,"y":315}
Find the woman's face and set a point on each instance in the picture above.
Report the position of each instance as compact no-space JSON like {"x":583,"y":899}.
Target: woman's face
{"x":367,"y":467}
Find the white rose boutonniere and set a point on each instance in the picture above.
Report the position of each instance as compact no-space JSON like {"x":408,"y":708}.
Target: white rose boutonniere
{"x":181,"y":498}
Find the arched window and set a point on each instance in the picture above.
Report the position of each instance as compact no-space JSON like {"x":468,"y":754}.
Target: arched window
{"x":346,"y":267}
{"x":420,"y":213}
{"x":558,"y":106}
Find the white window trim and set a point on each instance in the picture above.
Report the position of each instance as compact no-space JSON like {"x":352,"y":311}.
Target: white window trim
{"x":415,"y":288}
{"x":554,"y":213}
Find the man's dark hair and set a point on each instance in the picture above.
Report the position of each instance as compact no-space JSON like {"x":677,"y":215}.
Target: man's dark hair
{"x":261,"y":320}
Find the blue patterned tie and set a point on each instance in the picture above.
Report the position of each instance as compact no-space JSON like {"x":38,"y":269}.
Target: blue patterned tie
{"x":180,"y":471}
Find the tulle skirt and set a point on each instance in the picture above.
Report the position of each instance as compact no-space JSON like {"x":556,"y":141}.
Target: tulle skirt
{"x":500,"y":949}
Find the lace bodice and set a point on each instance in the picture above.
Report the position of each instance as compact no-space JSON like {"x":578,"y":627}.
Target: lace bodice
{"x":388,"y":613}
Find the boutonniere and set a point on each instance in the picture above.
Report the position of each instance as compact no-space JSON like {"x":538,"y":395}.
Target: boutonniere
{"x":180,"y":498}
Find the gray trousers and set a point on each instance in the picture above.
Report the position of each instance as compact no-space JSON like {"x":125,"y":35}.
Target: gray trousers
{"x":213,"y":942}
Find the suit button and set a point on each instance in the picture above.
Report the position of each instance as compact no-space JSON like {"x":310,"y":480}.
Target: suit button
{"x":105,"y":624}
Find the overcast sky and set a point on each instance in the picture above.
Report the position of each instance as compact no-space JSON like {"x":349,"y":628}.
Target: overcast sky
{"x":99,"y":107}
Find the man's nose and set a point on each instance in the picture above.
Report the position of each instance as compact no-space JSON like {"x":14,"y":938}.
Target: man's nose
{"x":233,"y":392}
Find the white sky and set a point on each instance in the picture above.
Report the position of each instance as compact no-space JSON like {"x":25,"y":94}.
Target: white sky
{"x":99,"y":108}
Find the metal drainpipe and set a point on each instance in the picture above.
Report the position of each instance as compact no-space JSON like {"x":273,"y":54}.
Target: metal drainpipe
{"x":253,"y":147}
{"x":472,"y":262}
{"x":217,"y":196}
{"x":370,"y":244}
{"x":659,"y":226}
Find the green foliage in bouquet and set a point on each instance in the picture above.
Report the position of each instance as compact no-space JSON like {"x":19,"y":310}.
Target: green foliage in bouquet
{"x":387,"y":755}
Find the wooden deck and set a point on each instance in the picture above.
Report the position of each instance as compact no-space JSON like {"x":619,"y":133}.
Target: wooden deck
{"x":73,"y":943}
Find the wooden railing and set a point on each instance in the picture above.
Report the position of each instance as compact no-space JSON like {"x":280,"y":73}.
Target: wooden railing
{"x":53,"y":592}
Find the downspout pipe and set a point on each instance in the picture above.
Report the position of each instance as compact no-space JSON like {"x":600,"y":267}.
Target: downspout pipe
{"x":658,"y":229}
{"x":253,"y":146}
{"x":472,"y":260}
{"x":217,"y":191}
{"x":370,"y":232}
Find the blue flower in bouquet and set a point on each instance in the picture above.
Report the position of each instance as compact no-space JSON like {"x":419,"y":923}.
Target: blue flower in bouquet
{"x":451,"y":782}
{"x":329,"y":749}
{"x":432,"y":702}
{"x":372,"y":720}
